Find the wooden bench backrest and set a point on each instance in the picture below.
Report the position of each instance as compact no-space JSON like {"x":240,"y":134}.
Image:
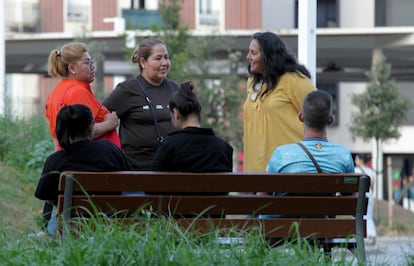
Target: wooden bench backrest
{"x":104,"y":190}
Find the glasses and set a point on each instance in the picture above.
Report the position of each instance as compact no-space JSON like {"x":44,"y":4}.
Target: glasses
{"x":88,"y":62}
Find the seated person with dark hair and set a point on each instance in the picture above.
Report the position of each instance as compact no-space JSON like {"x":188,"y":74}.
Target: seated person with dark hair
{"x":314,"y":154}
{"x":316,"y":115}
{"x":74,"y":131}
{"x":191,"y":148}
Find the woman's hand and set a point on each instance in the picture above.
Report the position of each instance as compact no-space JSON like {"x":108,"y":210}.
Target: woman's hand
{"x":110,"y":123}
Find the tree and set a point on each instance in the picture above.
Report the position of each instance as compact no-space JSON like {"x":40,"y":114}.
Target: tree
{"x":381,"y":109}
{"x":176,"y":36}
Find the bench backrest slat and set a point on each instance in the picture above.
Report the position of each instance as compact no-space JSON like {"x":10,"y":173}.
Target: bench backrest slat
{"x":217,"y":182}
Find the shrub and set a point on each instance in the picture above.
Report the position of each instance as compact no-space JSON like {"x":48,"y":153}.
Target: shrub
{"x":25,"y":144}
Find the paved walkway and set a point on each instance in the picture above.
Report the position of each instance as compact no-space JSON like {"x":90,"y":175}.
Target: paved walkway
{"x":393,"y":251}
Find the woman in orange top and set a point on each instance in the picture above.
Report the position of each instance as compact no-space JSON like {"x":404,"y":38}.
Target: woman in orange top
{"x":76,"y":68}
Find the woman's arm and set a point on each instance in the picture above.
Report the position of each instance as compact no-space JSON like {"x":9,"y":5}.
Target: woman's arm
{"x":110,"y":123}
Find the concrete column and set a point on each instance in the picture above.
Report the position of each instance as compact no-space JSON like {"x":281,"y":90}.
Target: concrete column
{"x":307,"y":36}
{"x":378,"y":164}
{"x":3,"y":94}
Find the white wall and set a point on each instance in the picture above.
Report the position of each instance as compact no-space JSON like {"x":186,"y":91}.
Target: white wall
{"x":341,"y":134}
{"x":278,"y":14}
{"x":23,"y":93}
{"x":123,"y":4}
{"x":357,"y":13}
{"x":400,"y":12}
{"x":151,"y":4}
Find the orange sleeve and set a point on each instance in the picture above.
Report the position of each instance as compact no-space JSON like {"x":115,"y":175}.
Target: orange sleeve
{"x":85,"y":96}
{"x":69,"y":92}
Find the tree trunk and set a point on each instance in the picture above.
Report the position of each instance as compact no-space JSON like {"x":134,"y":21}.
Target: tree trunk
{"x":389,"y":182}
{"x":378,"y":162}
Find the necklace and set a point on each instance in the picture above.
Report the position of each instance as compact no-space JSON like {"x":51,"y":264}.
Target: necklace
{"x":256,"y":89}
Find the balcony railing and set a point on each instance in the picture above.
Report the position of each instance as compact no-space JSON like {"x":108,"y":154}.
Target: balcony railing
{"x":210,"y":18}
{"x":141,"y":18}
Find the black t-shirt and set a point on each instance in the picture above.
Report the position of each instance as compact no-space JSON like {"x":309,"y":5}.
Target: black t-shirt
{"x":95,"y":156}
{"x":137,"y":130}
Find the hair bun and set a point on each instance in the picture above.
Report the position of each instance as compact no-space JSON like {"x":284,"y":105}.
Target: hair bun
{"x":134,"y":57}
{"x":187,"y":85}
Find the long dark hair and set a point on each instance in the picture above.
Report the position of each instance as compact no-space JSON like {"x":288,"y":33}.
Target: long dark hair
{"x":277,"y":60}
{"x":186,"y":101}
{"x":73,"y":121}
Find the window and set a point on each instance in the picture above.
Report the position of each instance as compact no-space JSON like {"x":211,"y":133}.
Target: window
{"x":209,"y":12}
{"x":77,"y":10}
{"x":327,"y":13}
{"x":137,"y":4}
{"x":380,"y":13}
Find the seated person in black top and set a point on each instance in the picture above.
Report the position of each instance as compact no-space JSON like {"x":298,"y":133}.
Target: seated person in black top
{"x":74,"y":130}
{"x":191,"y":148}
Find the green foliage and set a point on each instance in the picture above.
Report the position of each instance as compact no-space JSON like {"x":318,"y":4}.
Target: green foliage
{"x":170,"y":14}
{"x":176,"y":37}
{"x":25,"y":144}
{"x":208,"y":88}
{"x":381,"y":108}
{"x":221,"y":95}
{"x":158,"y":241}
{"x":234,"y":94}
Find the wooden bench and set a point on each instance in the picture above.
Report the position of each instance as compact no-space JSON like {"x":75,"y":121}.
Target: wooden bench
{"x":346,"y":211}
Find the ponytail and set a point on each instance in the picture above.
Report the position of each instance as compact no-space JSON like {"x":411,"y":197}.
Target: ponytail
{"x":73,"y":121}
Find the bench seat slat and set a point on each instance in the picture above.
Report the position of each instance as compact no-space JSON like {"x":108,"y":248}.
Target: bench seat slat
{"x":272,"y":228}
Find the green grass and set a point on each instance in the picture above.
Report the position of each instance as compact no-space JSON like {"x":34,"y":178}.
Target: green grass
{"x":24,"y":145}
{"x":153,"y":242}
{"x":18,"y":205}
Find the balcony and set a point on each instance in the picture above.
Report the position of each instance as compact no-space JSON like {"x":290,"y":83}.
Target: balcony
{"x":141,"y":18}
{"x":210,"y":18}
{"x":23,"y":17}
